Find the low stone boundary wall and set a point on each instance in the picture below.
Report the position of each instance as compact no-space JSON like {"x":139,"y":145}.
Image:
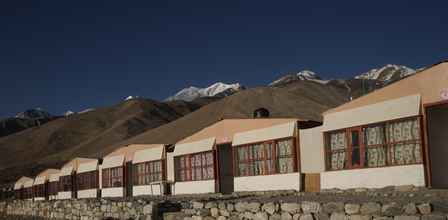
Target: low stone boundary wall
{"x":359,"y":204}
{"x":308,"y":210}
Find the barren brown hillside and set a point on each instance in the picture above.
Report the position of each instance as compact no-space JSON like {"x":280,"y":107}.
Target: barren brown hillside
{"x":96,"y":133}
{"x":302,"y":99}
{"x":86,"y":134}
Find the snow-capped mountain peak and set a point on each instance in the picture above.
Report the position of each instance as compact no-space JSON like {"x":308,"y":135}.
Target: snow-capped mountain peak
{"x":191,"y":93}
{"x":68,"y":113}
{"x":36,"y":113}
{"x":131,"y":97}
{"x":387,"y":73}
{"x":301,"y":75}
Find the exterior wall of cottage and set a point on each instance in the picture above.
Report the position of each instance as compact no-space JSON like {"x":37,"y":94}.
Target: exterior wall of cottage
{"x":374,"y":177}
{"x":65,"y":195}
{"x":148,"y":190}
{"x":311,"y":150}
{"x":88,"y":193}
{"x":112,"y":192}
{"x":194,"y":187}
{"x":288,"y":181}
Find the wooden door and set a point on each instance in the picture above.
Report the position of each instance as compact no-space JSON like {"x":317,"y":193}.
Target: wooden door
{"x":437,"y":124}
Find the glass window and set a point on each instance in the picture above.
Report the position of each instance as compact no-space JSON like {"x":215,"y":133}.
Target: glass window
{"x":383,"y":144}
{"x":147,"y":172}
{"x":191,"y":167}
{"x":258,"y":159}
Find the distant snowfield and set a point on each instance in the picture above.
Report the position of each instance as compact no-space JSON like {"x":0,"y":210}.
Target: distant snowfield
{"x":191,"y":93}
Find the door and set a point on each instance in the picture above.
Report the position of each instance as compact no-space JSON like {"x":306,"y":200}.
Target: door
{"x":128,"y":179}
{"x":437,"y":124}
{"x":225,"y":168}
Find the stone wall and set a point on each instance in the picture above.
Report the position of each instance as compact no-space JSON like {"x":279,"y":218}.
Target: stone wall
{"x":359,"y":204}
{"x":309,"y":210}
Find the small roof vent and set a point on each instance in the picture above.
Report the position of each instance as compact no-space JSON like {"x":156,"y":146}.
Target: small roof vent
{"x":261,"y":113}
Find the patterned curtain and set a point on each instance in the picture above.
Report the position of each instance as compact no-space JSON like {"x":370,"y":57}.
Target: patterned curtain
{"x":286,"y":157}
{"x":376,"y":150}
{"x":243,"y":157}
{"x":338,"y":145}
{"x":408,"y":148}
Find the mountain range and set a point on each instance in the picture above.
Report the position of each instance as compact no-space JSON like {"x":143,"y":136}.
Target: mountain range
{"x":218,"y":89}
{"x":98,"y":131}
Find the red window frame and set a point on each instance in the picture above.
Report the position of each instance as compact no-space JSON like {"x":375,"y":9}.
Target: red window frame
{"x":53,"y":188}
{"x":39,"y":190}
{"x":65,"y":183}
{"x":189,"y":171}
{"x":364,"y":146}
{"x":87,"y":180}
{"x":145,"y":172}
{"x":275,"y":157}
{"x":113,"y":177}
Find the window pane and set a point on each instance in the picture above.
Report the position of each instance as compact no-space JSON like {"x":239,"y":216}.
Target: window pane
{"x":356,"y":157}
{"x":210,"y":159}
{"x":408,"y":148}
{"x":286,"y":165}
{"x":375,"y":135}
{"x":338,"y":141}
{"x":404,"y":130}
{"x":285,"y":148}
{"x":337,"y":160}
{"x":376,"y":157}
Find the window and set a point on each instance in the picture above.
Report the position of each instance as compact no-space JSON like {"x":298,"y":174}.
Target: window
{"x":337,"y":153}
{"x":53,"y":188}
{"x":192,"y":167}
{"x":147,"y":172}
{"x":265,"y":158}
{"x":113,"y":177}
{"x":87,"y":180}
{"x":404,"y":142}
{"x":389,"y":143}
{"x":65,"y":183}
{"x":28,"y":193}
{"x":39,"y":190}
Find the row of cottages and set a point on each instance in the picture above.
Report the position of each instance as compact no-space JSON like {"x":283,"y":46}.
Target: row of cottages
{"x":230,"y":155}
{"x":393,"y":136}
{"x":235,"y":155}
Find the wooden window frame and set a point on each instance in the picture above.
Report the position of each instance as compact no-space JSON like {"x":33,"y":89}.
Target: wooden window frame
{"x":39,"y":190}
{"x":108,"y":179}
{"x":274,"y":156}
{"x":65,"y":181}
{"x":187,"y":168}
{"x":87,"y":180}
{"x":53,"y":188}
{"x":149,"y":174}
{"x":387,"y":144}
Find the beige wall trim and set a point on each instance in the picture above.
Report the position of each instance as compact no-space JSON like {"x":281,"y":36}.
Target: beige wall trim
{"x":388,"y":110}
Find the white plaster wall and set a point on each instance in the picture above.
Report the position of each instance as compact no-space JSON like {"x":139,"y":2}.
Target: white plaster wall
{"x":53,"y":197}
{"x":311,"y":150}
{"x":39,"y":198}
{"x":147,"y":190}
{"x":392,"y":109}
{"x":65,"y":195}
{"x":374,"y":177}
{"x":270,"y":133}
{"x":267,"y":182}
{"x":112,"y":192}
{"x":194,"y":187}
{"x":194,"y":147}
{"x":87,"y":193}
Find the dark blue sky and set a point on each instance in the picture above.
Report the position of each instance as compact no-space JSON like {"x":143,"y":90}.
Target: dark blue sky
{"x":62,"y":55}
